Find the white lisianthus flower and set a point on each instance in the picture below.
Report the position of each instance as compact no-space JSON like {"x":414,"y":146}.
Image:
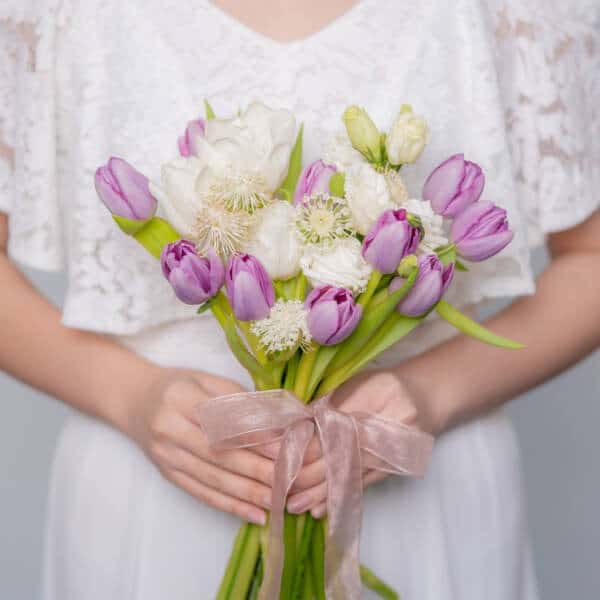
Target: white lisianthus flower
{"x":274,"y":242}
{"x":341,"y":153}
{"x":407,"y":138}
{"x":340,"y":264}
{"x":239,"y":165}
{"x":368,"y":195}
{"x":433,"y":224}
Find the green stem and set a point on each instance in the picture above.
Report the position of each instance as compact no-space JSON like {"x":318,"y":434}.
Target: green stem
{"x":372,"y":582}
{"x":246,"y":568}
{"x":290,"y":374}
{"x":317,"y":559}
{"x":289,"y":559}
{"x":303,"y":375}
{"x":234,"y":559}
{"x":307,"y":592}
{"x":325,"y":355}
{"x":366,"y":296}
{"x":303,"y":556}
{"x":256,"y":582}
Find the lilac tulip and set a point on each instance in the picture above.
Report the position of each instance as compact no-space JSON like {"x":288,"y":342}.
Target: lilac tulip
{"x":332,"y":314}
{"x":431,"y":284}
{"x":313,"y":180}
{"x":390,"y":240}
{"x":249,"y":288}
{"x":481,"y":231}
{"x":194,"y":279}
{"x":124,"y":190}
{"x":454,"y":185}
{"x":188,"y":141}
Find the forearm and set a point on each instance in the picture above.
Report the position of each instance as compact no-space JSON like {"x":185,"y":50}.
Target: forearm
{"x":559,"y":325}
{"x":88,"y":371}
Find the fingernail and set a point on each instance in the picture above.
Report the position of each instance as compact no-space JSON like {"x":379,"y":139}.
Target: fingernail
{"x":318,"y":513}
{"x":298,"y":504}
{"x":257,"y":517}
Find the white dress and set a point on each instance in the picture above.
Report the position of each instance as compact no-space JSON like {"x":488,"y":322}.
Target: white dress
{"x":514,"y":85}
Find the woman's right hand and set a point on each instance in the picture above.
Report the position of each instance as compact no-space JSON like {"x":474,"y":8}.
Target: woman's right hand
{"x":163,"y":425}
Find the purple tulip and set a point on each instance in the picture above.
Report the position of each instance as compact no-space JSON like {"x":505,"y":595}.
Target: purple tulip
{"x":332,"y":314}
{"x":481,"y":231}
{"x":390,"y":240}
{"x":431,"y":284}
{"x":249,"y":288}
{"x":124,"y":190}
{"x":454,"y":185}
{"x":188,"y":141}
{"x":194,"y":279}
{"x":314,"y":179}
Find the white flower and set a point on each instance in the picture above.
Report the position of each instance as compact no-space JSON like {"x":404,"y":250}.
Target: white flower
{"x":285,"y":328}
{"x":368,"y":195}
{"x":433,"y":224}
{"x":239,"y":165}
{"x":341,"y":153}
{"x":273,"y":240}
{"x":340,"y":264}
{"x":398,"y":190}
{"x":321,"y":219}
{"x":407,"y":138}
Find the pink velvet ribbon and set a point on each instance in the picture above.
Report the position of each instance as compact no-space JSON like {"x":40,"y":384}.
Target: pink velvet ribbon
{"x":350,"y":443}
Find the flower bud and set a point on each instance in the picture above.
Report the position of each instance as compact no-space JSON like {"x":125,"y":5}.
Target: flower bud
{"x":194,"y":279}
{"x":188,"y":141}
{"x":249,"y":288}
{"x":314,"y":179}
{"x":431,"y":284}
{"x":125,"y":191}
{"x":454,"y":185}
{"x":332,"y":314}
{"x":481,"y":231}
{"x":363,"y":133}
{"x":390,"y":240}
{"x":407,"y":138}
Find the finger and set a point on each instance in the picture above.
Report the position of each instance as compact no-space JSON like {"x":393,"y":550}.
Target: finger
{"x":217,"y":478}
{"x":307,"y":499}
{"x":310,"y":476}
{"x":216,"y":499}
{"x":313,"y":452}
{"x":190,"y":437}
{"x":370,"y":477}
{"x":270,"y":451}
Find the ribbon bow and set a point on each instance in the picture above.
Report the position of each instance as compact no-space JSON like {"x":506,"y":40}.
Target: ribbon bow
{"x":349,"y":441}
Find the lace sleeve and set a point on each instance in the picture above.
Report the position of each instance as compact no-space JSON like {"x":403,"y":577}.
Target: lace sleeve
{"x":28,"y":181}
{"x":549,"y":69}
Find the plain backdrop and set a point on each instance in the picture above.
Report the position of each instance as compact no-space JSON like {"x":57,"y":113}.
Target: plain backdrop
{"x":557,"y":425}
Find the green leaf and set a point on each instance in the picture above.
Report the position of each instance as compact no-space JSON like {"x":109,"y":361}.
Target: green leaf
{"x":130,"y":226}
{"x":206,"y":306}
{"x":460,"y":266}
{"x":210,"y":113}
{"x":337,"y":185}
{"x":288,"y":187}
{"x":156,"y":235}
{"x":471,"y":328}
{"x":374,"y":583}
{"x":447,"y":254}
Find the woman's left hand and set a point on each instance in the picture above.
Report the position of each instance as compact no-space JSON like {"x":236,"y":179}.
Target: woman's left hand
{"x":378,"y":392}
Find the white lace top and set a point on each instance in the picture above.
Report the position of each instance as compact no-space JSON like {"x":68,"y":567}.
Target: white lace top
{"x":513,"y":84}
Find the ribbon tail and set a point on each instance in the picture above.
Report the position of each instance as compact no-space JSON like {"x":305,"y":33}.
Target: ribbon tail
{"x":287,"y":466}
{"x":341,"y":450}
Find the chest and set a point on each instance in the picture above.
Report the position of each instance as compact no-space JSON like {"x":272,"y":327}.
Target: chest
{"x":141,"y":69}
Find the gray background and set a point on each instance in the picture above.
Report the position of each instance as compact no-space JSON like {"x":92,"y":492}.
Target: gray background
{"x":557,"y":426}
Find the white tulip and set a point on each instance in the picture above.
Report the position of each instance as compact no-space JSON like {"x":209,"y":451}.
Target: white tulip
{"x":407,"y":138}
{"x":368,"y":195}
{"x":274,"y":242}
{"x":340,"y":264}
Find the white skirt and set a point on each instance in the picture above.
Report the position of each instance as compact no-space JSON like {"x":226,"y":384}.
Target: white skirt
{"x":117,"y":530}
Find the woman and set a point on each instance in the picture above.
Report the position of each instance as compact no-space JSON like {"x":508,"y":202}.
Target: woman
{"x":139,"y":507}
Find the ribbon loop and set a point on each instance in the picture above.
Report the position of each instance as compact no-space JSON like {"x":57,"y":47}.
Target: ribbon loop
{"x":349,"y":442}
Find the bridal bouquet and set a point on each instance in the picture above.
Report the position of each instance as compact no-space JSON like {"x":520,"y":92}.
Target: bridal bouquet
{"x":312,"y":273}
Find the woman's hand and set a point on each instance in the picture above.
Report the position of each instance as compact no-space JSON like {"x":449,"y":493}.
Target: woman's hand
{"x":163,"y":425}
{"x":379,"y":392}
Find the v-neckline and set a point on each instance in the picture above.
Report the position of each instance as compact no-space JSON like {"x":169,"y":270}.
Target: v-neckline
{"x":249,"y":30}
